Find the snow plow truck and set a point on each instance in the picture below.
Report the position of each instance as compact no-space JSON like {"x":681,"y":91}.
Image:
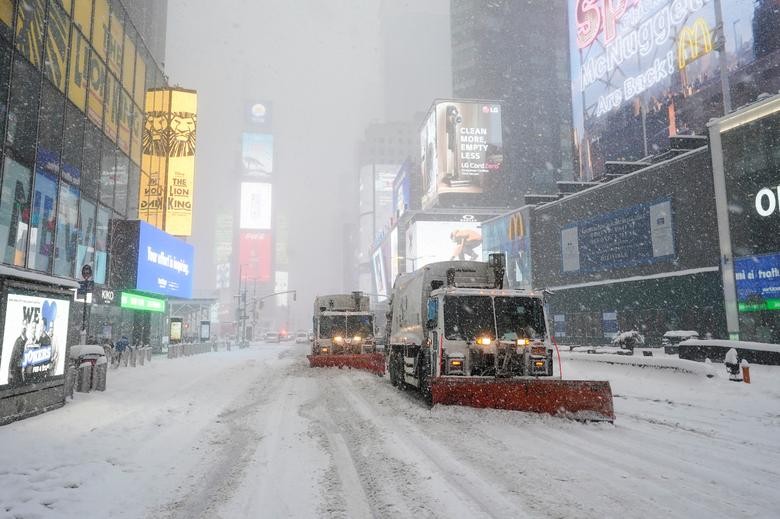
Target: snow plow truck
{"x":343,"y":329}
{"x":459,"y":338}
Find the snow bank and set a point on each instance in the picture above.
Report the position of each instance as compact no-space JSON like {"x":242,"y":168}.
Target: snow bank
{"x":687,"y":366}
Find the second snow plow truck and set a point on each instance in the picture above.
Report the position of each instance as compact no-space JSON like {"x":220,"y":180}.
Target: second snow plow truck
{"x":343,"y":327}
{"x":461,"y":339}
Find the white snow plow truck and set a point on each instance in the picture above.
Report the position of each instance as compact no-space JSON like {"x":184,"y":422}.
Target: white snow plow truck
{"x":343,"y":329}
{"x":459,"y":338}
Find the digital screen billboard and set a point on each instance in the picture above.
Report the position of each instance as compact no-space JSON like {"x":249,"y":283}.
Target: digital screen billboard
{"x":35,"y":331}
{"x":637,"y":235}
{"x":380,"y":273}
{"x":257,"y":155}
{"x":255,"y":206}
{"x":164,"y":263}
{"x":281,"y":284}
{"x":432,"y":241}
{"x":758,"y":282}
{"x":255,"y":255}
{"x":460,"y":147}
{"x":511,"y":234}
{"x":402,"y":187}
{"x":646,"y":70}
{"x":168,"y":161}
{"x":258,"y":115}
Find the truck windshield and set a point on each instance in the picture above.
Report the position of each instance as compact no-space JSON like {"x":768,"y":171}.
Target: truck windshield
{"x":468,"y":317}
{"x":332,"y":326}
{"x":361,"y":325}
{"x":519,"y":318}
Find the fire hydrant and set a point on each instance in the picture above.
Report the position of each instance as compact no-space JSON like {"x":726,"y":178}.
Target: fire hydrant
{"x":732,"y":365}
{"x":745,"y":365}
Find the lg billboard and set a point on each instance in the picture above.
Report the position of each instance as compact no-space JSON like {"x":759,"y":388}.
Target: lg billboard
{"x":461,"y":147}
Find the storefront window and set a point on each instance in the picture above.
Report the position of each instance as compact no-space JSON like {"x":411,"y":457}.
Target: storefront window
{"x":15,"y":212}
{"x":57,"y":33}
{"x":42,"y":221}
{"x":101,"y":245}
{"x":133,"y":180}
{"x":50,"y":128}
{"x":107,"y":170}
{"x":20,"y":134}
{"x":121,"y":179}
{"x":5,"y":77}
{"x":90,"y":178}
{"x":73,"y":144}
{"x":86,"y":246}
{"x":67,"y":231}
{"x":29,"y":29}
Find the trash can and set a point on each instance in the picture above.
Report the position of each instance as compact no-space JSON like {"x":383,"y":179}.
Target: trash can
{"x":100,"y":374}
{"x":141,"y":356}
{"x":148,"y":353}
{"x":133,"y":358}
{"x":70,"y":380}
{"x":89,"y":364}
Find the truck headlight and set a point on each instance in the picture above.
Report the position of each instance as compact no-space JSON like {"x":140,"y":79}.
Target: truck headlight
{"x":357,"y":338}
{"x":484,"y":341}
{"x":523,"y":342}
{"x":338,"y":339}
{"x":324,"y":349}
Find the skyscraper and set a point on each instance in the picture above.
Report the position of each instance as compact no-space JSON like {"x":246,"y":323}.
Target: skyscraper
{"x":517,"y":53}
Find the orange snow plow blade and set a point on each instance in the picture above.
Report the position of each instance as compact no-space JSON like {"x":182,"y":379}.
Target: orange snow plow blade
{"x":577,"y":399}
{"x":373,"y":362}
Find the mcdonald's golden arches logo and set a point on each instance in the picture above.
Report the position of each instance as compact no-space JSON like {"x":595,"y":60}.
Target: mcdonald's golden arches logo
{"x":516,"y":227}
{"x":693,"y":42}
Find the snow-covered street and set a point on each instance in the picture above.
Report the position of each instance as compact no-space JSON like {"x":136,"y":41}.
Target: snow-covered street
{"x":257,"y":433}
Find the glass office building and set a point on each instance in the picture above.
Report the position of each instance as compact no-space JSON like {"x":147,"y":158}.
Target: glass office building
{"x":73,"y":79}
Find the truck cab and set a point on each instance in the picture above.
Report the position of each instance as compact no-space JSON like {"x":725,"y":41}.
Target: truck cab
{"x":478,"y":332}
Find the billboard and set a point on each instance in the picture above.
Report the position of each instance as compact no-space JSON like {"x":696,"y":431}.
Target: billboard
{"x":281,"y":284}
{"x":431,"y":241}
{"x":258,"y":115}
{"x":131,"y":301}
{"x":151,"y":260}
{"x":257,"y":155}
{"x":643,"y":71}
{"x":255,"y":255}
{"x":168,"y":160}
{"x":164,"y":263}
{"x":460,"y":148}
{"x":758,"y":282}
{"x":402,"y":187}
{"x":35,"y":331}
{"x":255,"y":206}
{"x":511,"y":234}
{"x":637,"y":235}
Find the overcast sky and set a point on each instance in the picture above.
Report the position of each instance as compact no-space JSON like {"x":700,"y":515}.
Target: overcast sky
{"x":320,"y":63}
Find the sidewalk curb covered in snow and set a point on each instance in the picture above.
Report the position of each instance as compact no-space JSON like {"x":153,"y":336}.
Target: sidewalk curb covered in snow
{"x":687,"y":366}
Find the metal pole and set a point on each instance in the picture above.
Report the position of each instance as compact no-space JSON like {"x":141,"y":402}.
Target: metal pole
{"x":722,"y":59}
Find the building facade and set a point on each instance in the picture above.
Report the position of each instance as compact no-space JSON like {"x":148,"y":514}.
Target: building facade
{"x":73,"y":79}
{"x":517,"y":53}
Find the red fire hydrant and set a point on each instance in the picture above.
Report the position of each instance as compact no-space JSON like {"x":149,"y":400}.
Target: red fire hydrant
{"x":745,"y":371}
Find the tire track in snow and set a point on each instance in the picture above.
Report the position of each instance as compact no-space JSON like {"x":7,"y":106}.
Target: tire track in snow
{"x":453,"y":478}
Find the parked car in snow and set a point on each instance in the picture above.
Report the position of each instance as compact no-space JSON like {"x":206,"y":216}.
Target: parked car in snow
{"x":301,"y":338}
{"x":272,"y":337}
